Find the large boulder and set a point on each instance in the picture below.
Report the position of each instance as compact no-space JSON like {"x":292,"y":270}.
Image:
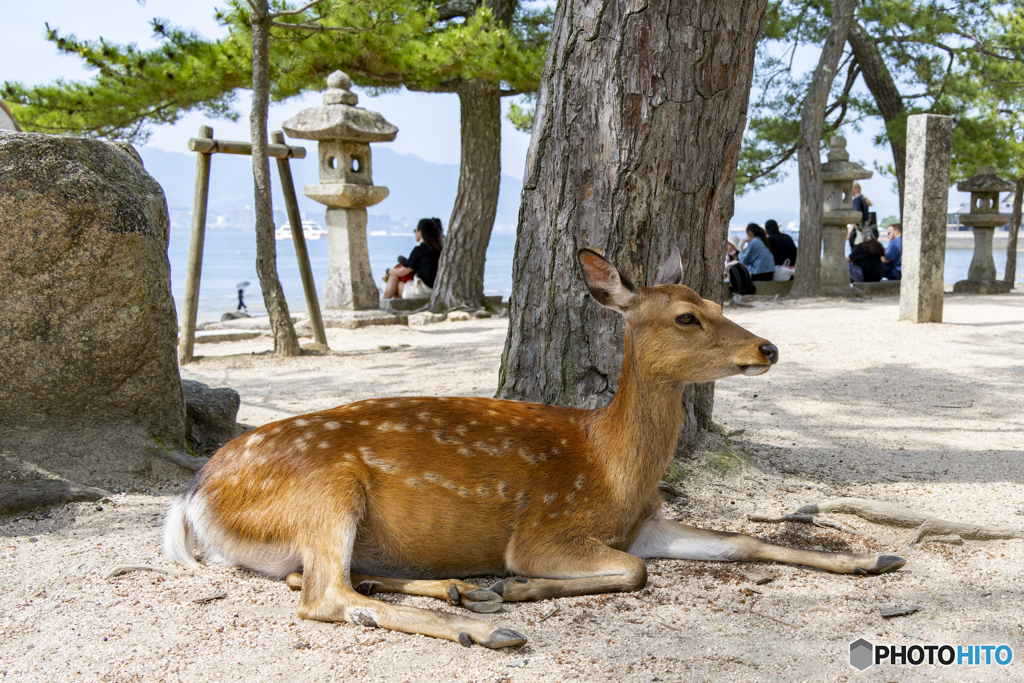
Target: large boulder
{"x":91,"y":389}
{"x":211,"y":414}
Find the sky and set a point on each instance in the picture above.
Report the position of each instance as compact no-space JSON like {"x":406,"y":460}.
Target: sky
{"x":428,"y":123}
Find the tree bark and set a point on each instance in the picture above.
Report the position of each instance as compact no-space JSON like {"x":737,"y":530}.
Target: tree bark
{"x":460,"y":276}
{"x":806,"y":279}
{"x":640,"y":118}
{"x":887,"y":96}
{"x":1010,"y":274}
{"x":286,"y":342}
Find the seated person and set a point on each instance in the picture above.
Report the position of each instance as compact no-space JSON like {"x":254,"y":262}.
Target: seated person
{"x":865,"y":262}
{"x":783,"y":247}
{"x":421,"y":264}
{"x":893,"y":258}
{"x":757,"y":254}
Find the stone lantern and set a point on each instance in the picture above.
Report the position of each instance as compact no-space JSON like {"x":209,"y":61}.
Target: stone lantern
{"x":344,"y":132}
{"x":837,"y":176}
{"x":983,"y":219}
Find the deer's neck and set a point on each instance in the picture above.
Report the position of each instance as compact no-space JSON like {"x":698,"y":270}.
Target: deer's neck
{"x":637,"y":432}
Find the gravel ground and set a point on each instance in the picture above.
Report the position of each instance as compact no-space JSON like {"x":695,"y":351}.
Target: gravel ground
{"x":925,"y":416}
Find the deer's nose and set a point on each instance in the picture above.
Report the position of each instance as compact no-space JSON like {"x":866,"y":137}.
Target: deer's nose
{"x":771,"y":352}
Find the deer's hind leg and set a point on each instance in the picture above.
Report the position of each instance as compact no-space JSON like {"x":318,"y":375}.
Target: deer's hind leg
{"x":576,"y":566}
{"x":454,"y":591}
{"x":328,"y":595}
{"x":662,"y":537}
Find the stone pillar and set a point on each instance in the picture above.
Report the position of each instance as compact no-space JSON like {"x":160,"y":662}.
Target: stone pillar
{"x":983,"y":218}
{"x":350,"y":283}
{"x":929,"y":144}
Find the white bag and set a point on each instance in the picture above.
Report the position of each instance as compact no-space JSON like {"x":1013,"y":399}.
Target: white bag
{"x":784,"y":273}
{"x":415,"y":289}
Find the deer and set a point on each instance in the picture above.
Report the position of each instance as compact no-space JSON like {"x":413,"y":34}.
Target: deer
{"x":415,"y":495}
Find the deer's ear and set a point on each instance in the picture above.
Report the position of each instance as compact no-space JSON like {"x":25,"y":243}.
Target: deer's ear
{"x":671,"y":272}
{"x":606,"y":284}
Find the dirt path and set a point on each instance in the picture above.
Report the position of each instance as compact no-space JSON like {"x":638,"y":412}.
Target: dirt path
{"x":930,"y":417}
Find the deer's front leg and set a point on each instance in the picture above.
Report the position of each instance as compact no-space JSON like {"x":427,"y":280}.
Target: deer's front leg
{"x":578,"y":566}
{"x":662,"y":537}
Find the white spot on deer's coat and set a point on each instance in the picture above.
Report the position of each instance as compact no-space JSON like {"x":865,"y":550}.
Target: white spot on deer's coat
{"x":549,"y":497}
{"x":364,"y":423}
{"x":580,"y":481}
{"x":323,"y":444}
{"x":276,"y":430}
{"x":564,"y":442}
{"x":300,"y":422}
{"x":412,"y":481}
{"x":464,"y":492}
{"x":527,"y":457}
{"x":255,"y":439}
{"x":332,"y":425}
{"x":300,"y":442}
{"x":483,"y":491}
{"x":465,"y":451}
{"x":392,"y":405}
{"x":503,"y":489}
{"x":391,"y":427}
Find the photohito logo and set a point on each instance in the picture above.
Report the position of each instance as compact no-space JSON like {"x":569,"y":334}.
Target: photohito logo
{"x":864,"y":654}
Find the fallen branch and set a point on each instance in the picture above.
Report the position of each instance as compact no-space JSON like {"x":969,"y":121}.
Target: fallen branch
{"x":816,"y":520}
{"x":125,"y":568}
{"x":893,"y":515}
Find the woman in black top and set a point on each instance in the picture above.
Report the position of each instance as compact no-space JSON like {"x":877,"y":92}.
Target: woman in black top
{"x":422,"y":262}
{"x":865,"y":261}
{"x":783,"y":247}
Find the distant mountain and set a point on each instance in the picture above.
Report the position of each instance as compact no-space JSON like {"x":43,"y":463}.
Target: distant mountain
{"x":419,"y":188}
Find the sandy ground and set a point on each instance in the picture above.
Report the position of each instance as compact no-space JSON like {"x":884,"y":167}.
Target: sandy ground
{"x":925,"y":416}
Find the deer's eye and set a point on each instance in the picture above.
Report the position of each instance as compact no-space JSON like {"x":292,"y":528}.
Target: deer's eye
{"x":686,"y":319}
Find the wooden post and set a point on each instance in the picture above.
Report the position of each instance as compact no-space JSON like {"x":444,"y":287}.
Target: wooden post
{"x":299,"y":240}
{"x":187,"y":336}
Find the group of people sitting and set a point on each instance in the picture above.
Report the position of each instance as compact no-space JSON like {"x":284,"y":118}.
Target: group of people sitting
{"x":757,"y":257}
{"x":413,"y":277}
{"x":869,"y":261}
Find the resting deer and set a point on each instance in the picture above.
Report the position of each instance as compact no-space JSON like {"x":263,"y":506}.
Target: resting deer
{"x":411,"y":495}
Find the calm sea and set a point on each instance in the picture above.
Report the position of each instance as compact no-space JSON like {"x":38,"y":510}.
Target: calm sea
{"x":229,"y":258}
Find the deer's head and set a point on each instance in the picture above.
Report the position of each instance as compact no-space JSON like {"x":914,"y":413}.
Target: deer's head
{"x":676,"y":335}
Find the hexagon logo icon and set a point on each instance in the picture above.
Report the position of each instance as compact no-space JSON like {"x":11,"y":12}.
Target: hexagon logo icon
{"x":861,"y":654}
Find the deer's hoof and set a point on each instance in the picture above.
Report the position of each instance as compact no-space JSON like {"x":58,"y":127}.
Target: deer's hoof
{"x":482,"y":600}
{"x":503,"y":637}
{"x":887,"y":563}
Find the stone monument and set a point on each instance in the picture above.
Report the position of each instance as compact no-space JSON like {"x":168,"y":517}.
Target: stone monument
{"x":343,"y":132}
{"x":89,"y":368}
{"x":929,"y":145}
{"x":837,"y":176}
{"x":983,"y":219}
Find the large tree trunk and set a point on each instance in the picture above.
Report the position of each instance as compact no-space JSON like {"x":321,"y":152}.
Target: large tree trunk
{"x":887,"y":96}
{"x":286,"y":343}
{"x":1010,"y":274}
{"x":639,"y":123}
{"x":806,"y":279}
{"x":460,"y":277}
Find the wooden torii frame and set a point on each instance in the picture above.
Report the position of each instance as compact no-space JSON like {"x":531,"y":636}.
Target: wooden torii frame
{"x":205,"y":146}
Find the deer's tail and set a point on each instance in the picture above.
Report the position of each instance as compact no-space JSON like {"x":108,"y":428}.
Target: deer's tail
{"x":179,"y":537}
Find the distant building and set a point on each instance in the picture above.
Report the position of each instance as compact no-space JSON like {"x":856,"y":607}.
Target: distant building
{"x":378,"y":223}
{"x":243,"y":219}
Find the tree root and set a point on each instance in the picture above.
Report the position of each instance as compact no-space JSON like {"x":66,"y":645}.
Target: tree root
{"x":893,"y":515}
{"x":816,"y":520}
